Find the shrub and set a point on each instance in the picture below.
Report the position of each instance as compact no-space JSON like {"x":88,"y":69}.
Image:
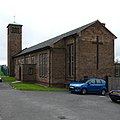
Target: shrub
{"x":1,"y":73}
{"x":8,"y":79}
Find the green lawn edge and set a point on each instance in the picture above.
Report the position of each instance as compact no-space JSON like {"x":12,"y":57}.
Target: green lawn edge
{"x":28,"y":86}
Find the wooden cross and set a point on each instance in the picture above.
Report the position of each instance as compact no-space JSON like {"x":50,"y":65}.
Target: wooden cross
{"x":14,"y":19}
{"x":97,"y":51}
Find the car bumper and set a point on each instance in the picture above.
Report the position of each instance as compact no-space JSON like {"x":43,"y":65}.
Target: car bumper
{"x":115,"y":97}
{"x":75,"y":89}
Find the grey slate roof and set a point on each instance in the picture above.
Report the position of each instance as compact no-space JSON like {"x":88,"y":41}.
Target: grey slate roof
{"x":50,"y":42}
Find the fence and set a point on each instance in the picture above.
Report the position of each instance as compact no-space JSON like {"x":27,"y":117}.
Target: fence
{"x":113,"y":83}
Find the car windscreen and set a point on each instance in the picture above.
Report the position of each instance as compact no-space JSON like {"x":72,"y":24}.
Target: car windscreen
{"x":83,"y":80}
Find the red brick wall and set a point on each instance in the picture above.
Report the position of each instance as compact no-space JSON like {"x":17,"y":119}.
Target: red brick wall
{"x":58,"y":67}
{"x":86,"y":59}
{"x":28,"y":72}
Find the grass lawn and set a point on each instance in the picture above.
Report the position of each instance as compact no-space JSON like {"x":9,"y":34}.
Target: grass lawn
{"x":26,"y":86}
{"x":8,"y":79}
{"x":1,"y":73}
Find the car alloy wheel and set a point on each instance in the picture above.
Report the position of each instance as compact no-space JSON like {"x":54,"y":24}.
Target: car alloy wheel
{"x":103,"y":92}
{"x":84,"y":91}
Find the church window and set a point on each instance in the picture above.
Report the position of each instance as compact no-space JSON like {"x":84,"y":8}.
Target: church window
{"x":30,"y":71}
{"x":70,"y":60}
{"x":22,"y":61}
{"x":15,"y":30}
{"x":26,"y":60}
{"x":33,"y":60}
{"x":43,"y":64}
{"x":117,"y":72}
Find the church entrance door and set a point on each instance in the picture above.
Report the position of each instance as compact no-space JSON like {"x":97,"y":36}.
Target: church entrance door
{"x":19,"y":73}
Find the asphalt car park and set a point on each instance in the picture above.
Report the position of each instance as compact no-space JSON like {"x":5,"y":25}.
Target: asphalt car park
{"x":39,"y":105}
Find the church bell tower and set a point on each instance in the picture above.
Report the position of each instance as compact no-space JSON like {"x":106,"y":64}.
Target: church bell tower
{"x":14,"y":44}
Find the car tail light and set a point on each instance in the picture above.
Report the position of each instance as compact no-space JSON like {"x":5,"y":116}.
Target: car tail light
{"x":111,"y":91}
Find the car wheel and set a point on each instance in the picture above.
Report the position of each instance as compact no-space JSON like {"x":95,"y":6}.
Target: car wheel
{"x":114,"y":100}
{"x":72,"y":92}
{"x":103,"y":92}
{"x":84,"y":91}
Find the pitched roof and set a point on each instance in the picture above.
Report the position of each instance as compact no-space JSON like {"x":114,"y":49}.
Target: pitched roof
{"x":50,"y":42}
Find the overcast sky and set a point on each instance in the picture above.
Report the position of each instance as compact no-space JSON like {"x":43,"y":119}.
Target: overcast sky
{"x":45,"y":19}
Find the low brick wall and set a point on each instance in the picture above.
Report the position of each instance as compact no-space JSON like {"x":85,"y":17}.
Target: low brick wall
{"x":28,"y":73}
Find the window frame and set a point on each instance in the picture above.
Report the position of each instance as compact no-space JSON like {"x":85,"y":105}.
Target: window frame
{"x":43,"y":69}
{"x":32,"y":59}
{"x":117,"y":72}
{"x":70,"y":60}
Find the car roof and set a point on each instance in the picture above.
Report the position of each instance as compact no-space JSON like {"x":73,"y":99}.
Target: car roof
{"x":92,"y":78}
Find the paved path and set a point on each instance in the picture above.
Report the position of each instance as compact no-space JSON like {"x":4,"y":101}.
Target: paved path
{"x":38,"y":105}
{"x":5,"y":86}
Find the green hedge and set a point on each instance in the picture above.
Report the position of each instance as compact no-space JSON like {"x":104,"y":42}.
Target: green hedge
{"x":8,"y":79}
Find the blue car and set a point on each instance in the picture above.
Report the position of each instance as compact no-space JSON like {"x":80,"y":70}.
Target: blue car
{"x":115,"y":95}
{"x":91,"y":85}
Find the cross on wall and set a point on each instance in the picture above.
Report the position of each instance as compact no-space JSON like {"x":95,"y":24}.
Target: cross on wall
{"x":14,"y":19}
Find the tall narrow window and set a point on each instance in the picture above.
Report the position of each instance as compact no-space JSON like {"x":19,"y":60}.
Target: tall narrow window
{"x":22,"y":61}
{"x":70,"y":60}
{"x":26,"y":60}
{"x":33,"y":60}
{"x":43,"y":64}
{"x":117,"y":72}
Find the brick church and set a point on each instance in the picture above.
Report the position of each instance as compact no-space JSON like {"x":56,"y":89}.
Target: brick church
{"x":87,"y":51}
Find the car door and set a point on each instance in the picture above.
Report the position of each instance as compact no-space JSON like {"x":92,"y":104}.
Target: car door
{"x":91,"y":86}
{"x":98,"y":85}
